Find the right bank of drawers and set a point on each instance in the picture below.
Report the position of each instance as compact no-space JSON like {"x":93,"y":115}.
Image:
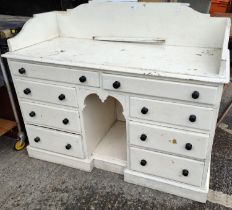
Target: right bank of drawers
{"x":169,"y":130}
{"x":158,"y":147}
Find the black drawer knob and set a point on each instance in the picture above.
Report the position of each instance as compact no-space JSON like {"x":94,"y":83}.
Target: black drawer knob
{"x":185,"y":172}
{"x":188,"y":146}
{"x":143,"y":162}
{"x":27,"y":91}
{"x":22,"y":71}
{"x":116,"y":84}
{"x":143,"y":137}
{"x":144,"y":110}
{"x":32,"y":114}
{"x":195,"y":95}
{"x":65,"y":121}
{"x":37,"y":139}
{"x":192,"y":118}
{"x":61,"y":97}
{"x":68,"y":146}
{"x":82,"y":79}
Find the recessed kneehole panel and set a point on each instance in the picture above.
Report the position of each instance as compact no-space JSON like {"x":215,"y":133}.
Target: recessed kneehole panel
{"x":105,"y":132}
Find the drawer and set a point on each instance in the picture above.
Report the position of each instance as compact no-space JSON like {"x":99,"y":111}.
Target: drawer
{"x":46,"y":92}
{"x":167,"y":166}
{"x":55,"y":141}
{"x":169,"y":140}
{"x":63,"y":119}
{"x":172,"y":113}
{"x":59,"y":74}
{"x":159,"y":88}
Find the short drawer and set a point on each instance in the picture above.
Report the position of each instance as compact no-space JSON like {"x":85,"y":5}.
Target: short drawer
{"x":163,"y":89}
{"x":67,"y":75}
{"x":172,"y":113}
{"x":169,"y":140}
{"x":63,"y":119}
{"x":46,"y":92}
{"x":167,"y":166}
{"x":55,"y":141}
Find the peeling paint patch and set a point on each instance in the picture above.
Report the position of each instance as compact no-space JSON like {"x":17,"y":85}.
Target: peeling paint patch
{"x":173,"y":141}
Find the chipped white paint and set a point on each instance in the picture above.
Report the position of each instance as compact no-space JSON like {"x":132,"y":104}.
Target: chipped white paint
{"x":220,"y":198}
{"x":110,"y":60}
{"x":191,"y":63}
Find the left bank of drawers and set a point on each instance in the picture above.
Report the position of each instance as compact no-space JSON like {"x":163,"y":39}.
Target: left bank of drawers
{"x":50,"y":126}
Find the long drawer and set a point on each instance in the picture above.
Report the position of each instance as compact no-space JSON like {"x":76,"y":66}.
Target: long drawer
{"x":67,"y":75}
{"x":46,"y":92}
{"x":160,"y":88}
{"x":167,"y":166}
{"x":49,"y":116}
{"x":172,"y":113}
{"x":55,"y":141}
{"x":168,"y":139}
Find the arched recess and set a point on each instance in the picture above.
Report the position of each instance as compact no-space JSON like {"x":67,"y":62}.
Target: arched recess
{"x":105,"y":130}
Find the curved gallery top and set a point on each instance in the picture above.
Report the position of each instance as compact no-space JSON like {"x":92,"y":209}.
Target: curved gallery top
{"x":146,"y":39}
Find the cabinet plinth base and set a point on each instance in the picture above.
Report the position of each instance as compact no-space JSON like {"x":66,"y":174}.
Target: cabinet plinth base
{"x":157,"y":183}
{"x":82,"y":164}
{"x":168,"y":186}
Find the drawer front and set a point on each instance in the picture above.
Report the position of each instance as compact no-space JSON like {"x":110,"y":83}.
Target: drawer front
{"x":63,"y":119}
{"x":55,"y":141}
{"x":46,"y":92}
{"x":59,"y":74}
{"x":172,"y":113}
{"x":169,"y":140}
{"x":167,"y":166}
{"x":164,"y":89}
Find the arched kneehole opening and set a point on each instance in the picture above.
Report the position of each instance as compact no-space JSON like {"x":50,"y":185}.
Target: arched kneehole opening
{"x":105,"y":129}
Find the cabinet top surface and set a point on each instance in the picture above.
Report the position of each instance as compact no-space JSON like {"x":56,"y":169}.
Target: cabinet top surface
{"x":143,"y":59}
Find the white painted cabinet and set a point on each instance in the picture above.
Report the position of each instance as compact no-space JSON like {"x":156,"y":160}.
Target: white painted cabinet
{"x":131,"y":88}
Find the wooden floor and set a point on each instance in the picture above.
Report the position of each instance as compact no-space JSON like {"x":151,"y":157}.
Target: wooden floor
{"x":6,"y":126}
